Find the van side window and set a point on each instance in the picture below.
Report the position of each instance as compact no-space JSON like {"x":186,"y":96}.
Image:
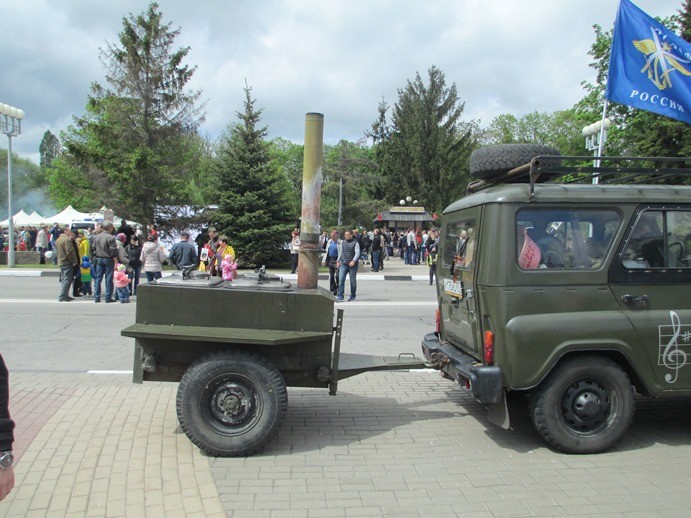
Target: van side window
{"x":659,"y":239}
{"x":460,"y":244}
{"x":564,"y":239}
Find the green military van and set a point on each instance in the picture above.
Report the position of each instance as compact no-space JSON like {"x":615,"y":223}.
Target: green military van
{"x":577,"y":294}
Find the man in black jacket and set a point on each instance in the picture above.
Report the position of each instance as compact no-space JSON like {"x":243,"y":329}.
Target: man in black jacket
{"x":183,"y":253}
{"x":6,"y":434}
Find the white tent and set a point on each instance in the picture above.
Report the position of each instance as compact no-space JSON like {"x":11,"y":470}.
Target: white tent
{"x":18,"y":220}
{"x":36,"y":219}
{"x":67,"y":216}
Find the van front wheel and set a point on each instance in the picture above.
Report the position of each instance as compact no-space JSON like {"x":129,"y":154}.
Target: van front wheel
{"x":584,"y":406}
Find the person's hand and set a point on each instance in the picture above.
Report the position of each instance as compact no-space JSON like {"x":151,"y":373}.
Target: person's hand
{"x":6,"y":482}
{"x":352,"y":263}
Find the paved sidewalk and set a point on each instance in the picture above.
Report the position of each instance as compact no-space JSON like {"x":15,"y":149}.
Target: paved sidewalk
{"x":389,"y":444}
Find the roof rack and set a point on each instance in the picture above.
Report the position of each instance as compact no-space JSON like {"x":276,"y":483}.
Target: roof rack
{"x":662,"y":168}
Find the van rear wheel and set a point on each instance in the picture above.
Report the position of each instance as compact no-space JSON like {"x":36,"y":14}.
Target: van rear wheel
{"x":584,"y":406}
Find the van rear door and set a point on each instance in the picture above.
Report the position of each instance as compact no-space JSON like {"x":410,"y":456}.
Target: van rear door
{"x":456,"y":280}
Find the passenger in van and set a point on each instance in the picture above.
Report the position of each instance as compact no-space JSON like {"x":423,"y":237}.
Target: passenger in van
{"x":644,"y":247}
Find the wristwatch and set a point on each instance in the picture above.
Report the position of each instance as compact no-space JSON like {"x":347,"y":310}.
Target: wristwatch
{"x":6,"y":460}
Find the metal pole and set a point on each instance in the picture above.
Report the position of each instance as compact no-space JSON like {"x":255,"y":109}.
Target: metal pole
{"x":10,"y":226}
{"x":308,"y":264}
{"x":600,"y":144}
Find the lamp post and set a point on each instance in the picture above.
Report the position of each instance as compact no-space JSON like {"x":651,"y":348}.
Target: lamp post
{"x":10,"y":125}
{"x":595,"y":137}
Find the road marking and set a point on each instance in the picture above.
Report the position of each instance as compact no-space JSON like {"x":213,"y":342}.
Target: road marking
{"x":382,"y":303}
{"x":109,"y":372}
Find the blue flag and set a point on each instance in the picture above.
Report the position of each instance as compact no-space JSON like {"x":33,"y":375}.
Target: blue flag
{"x":649,"y":65}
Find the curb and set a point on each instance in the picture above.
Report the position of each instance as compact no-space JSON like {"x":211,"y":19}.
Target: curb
{"x":287,"y":276}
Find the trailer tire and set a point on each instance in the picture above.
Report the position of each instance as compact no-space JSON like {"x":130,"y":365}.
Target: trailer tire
{"x":584,"y":406}
{"x":495,"y":160}
{"x":231,"y":404}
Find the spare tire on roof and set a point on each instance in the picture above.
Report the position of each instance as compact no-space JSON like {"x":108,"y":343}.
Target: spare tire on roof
{"x":499,"y":159}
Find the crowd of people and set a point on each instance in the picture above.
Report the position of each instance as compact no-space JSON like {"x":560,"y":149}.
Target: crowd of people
{"x":342,"y":255}
{"x":116,"y":258}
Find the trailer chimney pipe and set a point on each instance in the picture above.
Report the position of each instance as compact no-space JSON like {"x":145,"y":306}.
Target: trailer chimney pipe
{"x":308,"y":265}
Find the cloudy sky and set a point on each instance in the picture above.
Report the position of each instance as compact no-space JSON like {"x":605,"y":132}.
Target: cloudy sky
{"x":336,"y":57}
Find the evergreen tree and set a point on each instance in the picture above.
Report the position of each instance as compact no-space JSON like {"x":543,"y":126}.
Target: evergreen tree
{"x":426,"y":154}
{"x":131,"y":150}
{"x":254,"y":209}
{"x":49,"y":149}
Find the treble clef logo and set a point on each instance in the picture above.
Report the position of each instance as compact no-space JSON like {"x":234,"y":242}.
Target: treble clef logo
{"x":673,"y":357}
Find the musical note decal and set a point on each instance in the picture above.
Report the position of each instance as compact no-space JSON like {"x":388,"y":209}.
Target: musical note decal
{"x":674,"y":339}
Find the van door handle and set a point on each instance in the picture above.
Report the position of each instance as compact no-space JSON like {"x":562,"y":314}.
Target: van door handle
{"x":634,"y":299}
{"x":469,"y":301}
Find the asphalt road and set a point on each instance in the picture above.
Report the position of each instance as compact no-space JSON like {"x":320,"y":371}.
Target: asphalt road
{"x":41,"y":334}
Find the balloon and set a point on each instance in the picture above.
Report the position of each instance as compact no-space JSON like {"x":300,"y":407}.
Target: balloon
{"x":49,"y":254}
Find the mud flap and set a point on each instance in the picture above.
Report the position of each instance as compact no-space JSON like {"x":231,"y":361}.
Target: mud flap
{"x":498,"y":413}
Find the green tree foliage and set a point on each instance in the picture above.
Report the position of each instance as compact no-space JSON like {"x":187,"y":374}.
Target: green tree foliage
{"x":351,"y":182}
{"x":425,"y":150}
{"x":288,"y":158}
{"x":560,"y":129}
{"x":49,"y":149}
{"x":255,"y":209}
{"x":134,"y":148}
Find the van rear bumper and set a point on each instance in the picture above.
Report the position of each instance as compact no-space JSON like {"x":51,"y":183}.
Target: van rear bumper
{"x":486,"y":382}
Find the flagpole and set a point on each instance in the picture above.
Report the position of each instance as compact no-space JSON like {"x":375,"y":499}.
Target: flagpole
{"x":601,"y":143}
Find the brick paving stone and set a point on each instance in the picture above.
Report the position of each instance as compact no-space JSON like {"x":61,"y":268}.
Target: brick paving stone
{"x":390,"y":444}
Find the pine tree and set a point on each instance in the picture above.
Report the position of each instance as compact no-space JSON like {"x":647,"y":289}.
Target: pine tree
{"x":49,"y":149}
{"x":130,"y":150}
{"x":427,"y":146}
{"x":255,"y":209}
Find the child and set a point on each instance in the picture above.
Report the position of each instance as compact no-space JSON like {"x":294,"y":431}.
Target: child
{"x":229,"y":267}
{"x":85,"y":271}
{"x":122,"y":282}
{"x":431,"y":261}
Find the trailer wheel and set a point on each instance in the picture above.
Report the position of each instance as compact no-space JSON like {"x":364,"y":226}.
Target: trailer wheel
{"x":230,"y":404}
{"x":584,"y":406}
{"x":496,"y":160}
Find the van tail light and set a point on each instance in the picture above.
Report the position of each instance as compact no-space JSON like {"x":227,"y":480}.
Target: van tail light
{"x":488,"y":347}
{"x":437,"y":323}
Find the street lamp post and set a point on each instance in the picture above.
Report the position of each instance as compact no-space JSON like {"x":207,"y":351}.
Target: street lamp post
{"x":595,"y":138}
{"x":10,"y":125}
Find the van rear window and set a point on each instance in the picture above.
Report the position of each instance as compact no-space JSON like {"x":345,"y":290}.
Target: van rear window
{"x":460,"y":244}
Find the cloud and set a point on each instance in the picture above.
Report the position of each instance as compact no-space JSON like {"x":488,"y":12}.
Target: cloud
{"x":335,"y":57}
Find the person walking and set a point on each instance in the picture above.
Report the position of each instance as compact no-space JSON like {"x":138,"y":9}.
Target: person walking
{"x":294,"y":250}
{"x":67,"y":260}
{"x":348,"y":257}
{"x":330,"y":260}
{"x":183,"y":253}
{"x":42,"y":243}
{"x":376,"y":247}
{"x":431,"y":261}
{"x":104,"y":252}
{"x":152,"y":258}
{"x":134,"y":252}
